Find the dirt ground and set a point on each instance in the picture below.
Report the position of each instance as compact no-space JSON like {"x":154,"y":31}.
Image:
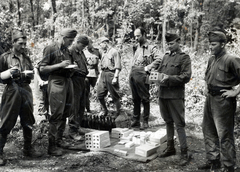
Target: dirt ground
{"x":73,"y":160}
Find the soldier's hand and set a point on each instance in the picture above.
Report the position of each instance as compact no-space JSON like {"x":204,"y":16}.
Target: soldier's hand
{"x":114,"y":81}
{"x":228,"y":93}
{"x":65,"y":63}
{"x":15,"y":72}
{"x":164,"y":79}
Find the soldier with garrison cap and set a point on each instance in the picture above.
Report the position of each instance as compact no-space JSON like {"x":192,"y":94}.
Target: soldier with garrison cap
{"x":17,"y":100}
{"x":222,"y":75}
{"x":176,"y":71}
{"x":108,"y":80}
{"x":78,"y":80}
{"x":57,"y":62}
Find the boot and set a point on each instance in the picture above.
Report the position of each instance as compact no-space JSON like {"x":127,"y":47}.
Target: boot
{"x":104,"y":107}
{"x":170,"y":150}
{"x":209,"y":164}
{"x":118,"y":108}
{"x":53,"y":149}
{"x":144,"y":125}
{"x":28,"y":150}
{"x":135,"y":123}
{"x":184,"y":158}
{"x":2,"y":144}
{"x":60,"y":142}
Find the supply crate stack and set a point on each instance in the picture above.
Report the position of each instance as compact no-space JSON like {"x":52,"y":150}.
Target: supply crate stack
{"x":97,"y":140}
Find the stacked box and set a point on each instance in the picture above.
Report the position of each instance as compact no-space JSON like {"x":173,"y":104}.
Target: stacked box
{"x":120,"y":132}
{"x":97,"y":139}
{"x":159,"y":136}
{"x":146,"y":150}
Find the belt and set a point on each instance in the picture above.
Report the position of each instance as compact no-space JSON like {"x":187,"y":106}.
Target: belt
{"x":79,"y":74}
{"x":216,"y":91}
{"x":108,"y":70}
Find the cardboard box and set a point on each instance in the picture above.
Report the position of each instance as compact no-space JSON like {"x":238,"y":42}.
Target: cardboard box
{"x":146,"y":150}
{"x":97,"y":139}
{"x":160,"y":136}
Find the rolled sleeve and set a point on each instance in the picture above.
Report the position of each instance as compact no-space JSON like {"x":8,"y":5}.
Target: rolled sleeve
{"x":157,"y":58}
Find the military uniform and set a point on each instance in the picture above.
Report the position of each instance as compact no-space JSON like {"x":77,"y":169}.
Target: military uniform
{"x":110,"y":61}
{"x":60,"y":91}
{"x":93,"y":58}
{"x":219,"y":112}
{"x":78,"y":80}
{"x":171,"y":94}
{"x":17,"y":97}
{"x":145,"y":56}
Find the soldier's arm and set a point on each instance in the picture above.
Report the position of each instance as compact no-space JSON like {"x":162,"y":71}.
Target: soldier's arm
{"x":157,"y":59}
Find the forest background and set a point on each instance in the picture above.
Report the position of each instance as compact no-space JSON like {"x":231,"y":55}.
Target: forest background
{"x":42,"y":20}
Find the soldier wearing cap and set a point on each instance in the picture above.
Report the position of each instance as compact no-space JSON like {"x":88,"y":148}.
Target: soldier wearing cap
{"x":55,"y":62}
{"x":146,"y":57}
{"x":176,"y":72}
{"x":78,"y":80}
{"x":93,"y":56}
{"x":17,"y":100}
{"x":222,"y":74}
{"x":108,"y":81}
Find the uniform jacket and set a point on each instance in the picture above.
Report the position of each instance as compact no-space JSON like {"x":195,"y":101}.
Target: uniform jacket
{"x":53,"y":54}
{"x":80,"y":59}
{"x":8,"y":60}
{"x":146,"y":55}
{"x":178,"y":67}
{"x":223,"y":71}
{"x":111,"y":59}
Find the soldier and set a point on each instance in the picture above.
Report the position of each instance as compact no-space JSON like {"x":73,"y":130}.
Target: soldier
{"x":78,"y":79}
{"x":146,"y":57}
{"x":222,"y":74}
{"x":17,"y":100}
{"x":56,"y":63}
{"x":93,"y":56}
{"x":108,"y":80}
{"x":176,"y":72}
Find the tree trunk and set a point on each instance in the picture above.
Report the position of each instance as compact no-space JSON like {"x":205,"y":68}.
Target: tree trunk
{"x":38,"y":12}
{"x":32,"y":11}
{"x":54,"y":11}
{"x":164,"y":27}
{"x":19,"y":13}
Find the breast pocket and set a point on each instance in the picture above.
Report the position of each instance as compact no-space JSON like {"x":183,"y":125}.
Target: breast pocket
{"x":223,"y":74}
{"x":174,"y":69}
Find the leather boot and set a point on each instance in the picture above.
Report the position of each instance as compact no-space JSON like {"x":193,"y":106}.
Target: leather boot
{"x":28,"y":150}
{"x":53,"y":149}
{"x":118,"y":108}
{"x":184,"y":157}
{"x":170,"y":150}
{"x":216,"y":164}
{"x":60,"y":142}
{"x":104,"y":107}
{"x":3,"y":140}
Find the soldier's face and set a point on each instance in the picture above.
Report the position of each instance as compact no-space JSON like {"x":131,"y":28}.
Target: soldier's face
{"x":138,"y":36}
{"x":103,"y":45}
{"x":20,"y":45}
{"x":67,"y":41}
{"x":216,"y":47}
{"x":173,"y":46}
{"x":81,"y":46}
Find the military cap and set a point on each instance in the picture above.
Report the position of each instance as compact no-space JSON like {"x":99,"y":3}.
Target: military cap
{"x":102,"y":39}
{"x":69,"y":33}
{"x":171,"y":37}
{"x":83,"y":39}
{"x":217,"y":36}
{"x":18,"y":34}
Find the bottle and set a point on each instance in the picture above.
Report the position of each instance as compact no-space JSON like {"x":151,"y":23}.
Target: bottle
{"x":113,"y":122}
